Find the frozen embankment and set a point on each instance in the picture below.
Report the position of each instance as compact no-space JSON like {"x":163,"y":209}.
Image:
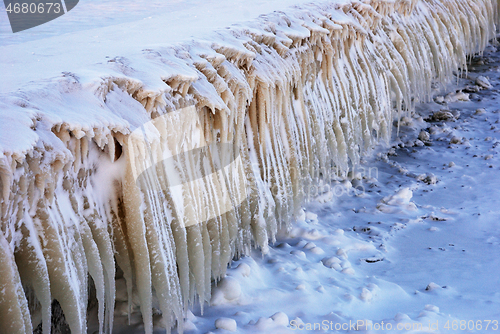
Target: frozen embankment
{"x":163,"y":167}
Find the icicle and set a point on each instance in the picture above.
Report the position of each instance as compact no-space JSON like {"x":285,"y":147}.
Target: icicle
{"x":65,"y":267}
{"x":14,"y":314}
{"x":123,"y":254}
{"x":33,"y":271}
{"x":95,"y":270}
{"x":103,"y":242}
{"x":132,"y":200}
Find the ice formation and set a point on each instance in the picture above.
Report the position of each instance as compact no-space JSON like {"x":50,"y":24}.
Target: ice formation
{"x":162,"y":168}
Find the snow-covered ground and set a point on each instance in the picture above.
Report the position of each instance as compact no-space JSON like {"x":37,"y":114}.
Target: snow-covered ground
{"x":418,"y":242}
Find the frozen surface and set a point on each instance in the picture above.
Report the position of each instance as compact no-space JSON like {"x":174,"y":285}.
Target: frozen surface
{"x":130,"y":183}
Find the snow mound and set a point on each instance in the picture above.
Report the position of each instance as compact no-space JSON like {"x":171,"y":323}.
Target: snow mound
{"x":399,"y":201}
{"x":227,"y":324}
{"x":227,"y":291}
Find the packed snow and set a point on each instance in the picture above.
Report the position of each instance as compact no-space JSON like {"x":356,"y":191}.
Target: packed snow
{"x":138,"y":164}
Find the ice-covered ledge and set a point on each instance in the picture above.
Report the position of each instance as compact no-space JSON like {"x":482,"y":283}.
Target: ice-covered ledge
{"x":287,"y":99}
{"x":86,"y":36}
{"x":35,"y":65}
{"x":33,"y":59}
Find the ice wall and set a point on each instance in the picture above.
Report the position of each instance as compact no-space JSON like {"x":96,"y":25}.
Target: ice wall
{"x":163,"y":167}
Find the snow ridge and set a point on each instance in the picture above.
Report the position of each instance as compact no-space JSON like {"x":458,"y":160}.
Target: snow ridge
{"x":168,"y":165}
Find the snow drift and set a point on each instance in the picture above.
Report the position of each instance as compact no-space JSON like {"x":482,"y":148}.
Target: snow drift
{"x":164,"y":167}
